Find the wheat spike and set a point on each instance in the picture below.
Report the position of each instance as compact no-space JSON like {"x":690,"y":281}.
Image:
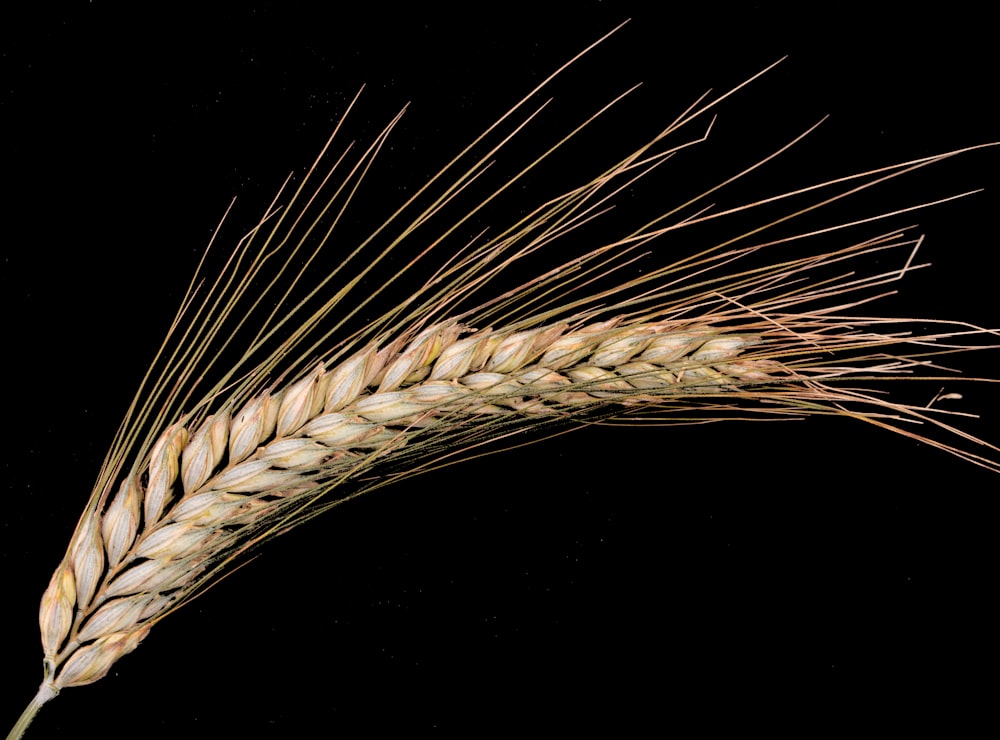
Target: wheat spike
{"x":158,"y":539}
{"x":321,"y":406}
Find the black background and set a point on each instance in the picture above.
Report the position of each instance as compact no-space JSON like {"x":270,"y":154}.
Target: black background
{"x":795,"y":575}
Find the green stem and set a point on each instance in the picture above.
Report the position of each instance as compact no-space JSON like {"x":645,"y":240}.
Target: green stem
{"x":45,"y":692}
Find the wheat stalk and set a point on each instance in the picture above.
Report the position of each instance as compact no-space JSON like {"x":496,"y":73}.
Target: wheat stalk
{"x":305,"y":419}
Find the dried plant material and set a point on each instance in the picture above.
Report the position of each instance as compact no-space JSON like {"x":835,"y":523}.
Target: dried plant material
{"x":321,"y":407}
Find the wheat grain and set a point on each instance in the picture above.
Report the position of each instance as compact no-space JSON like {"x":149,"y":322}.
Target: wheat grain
{"x":255,"y":456}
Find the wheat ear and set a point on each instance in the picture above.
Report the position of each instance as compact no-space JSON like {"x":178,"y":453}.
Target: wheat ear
{"x":318,"y":410}
{"x":211,"y":487}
